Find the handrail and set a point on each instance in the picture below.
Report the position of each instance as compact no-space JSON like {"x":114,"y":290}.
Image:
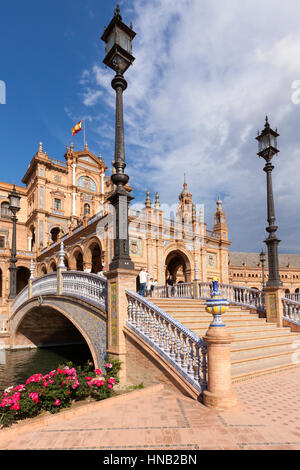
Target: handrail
{"x":82,"y":285}
{"x":236,"y":295}
{"x":86,"y":286}
{"x":291,"y":310}
{"x":295,"y":297}
{"x":169,"y":337}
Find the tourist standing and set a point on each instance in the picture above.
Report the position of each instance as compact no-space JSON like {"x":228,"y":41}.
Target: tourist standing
{"x":143,"y":281}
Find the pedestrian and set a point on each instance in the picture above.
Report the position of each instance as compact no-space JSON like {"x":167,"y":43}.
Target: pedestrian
{"x":149,"y":287}
{"x":153,"y":284}
{"x":143,"y":281}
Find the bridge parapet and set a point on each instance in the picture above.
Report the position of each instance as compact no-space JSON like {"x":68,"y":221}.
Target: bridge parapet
{"x":86,"y":286}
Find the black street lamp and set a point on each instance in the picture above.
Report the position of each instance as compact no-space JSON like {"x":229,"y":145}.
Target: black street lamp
{"x":118,"y":37}
{"x":14,"y":206}
{"x":267,"y":148}
{"x":262,"y":258}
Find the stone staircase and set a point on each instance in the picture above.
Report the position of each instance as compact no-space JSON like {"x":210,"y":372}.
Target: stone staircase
{"x":257,"y":348}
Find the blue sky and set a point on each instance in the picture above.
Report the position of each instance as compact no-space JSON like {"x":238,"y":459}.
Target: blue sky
{"x":205,"y":75}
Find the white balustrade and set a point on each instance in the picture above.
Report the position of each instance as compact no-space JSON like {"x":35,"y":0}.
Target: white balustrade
{"x":234,"y":294}
{"x":44,"y":285}
{"x":86,"y":286}
{"x":291,"y":310}
{"x":182,"y":348}
{"x":20,"y":298}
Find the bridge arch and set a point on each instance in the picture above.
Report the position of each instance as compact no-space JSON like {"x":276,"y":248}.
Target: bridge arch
{"x":54,"y":321}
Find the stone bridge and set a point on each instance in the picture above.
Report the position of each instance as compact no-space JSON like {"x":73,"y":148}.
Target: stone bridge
{"x":67,"y":307}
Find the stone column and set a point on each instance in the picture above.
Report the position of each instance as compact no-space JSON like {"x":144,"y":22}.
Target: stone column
{"x":274,"y":305}
{"x":219,"y":393}
{"x":118,"y":280}
{"x":60,"y":269}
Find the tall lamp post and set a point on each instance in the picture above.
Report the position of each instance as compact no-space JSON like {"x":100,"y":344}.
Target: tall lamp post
{"x":14,"y":206}
{"x":262,"y":258}
{"x":267,"y":148}
{"x":118,"y":37}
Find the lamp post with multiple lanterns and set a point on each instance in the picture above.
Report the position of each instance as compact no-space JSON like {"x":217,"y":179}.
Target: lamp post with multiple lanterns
{"x":267,"y":148}
{"x":14,"y":206}
{"x":118,"y":38}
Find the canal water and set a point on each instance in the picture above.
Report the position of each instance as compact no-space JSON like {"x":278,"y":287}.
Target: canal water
{"x":16,"y":366}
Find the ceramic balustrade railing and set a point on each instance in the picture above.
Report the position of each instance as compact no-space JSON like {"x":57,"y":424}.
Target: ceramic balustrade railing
{"x":291,"y":311}
{"x":183,"y":290}
{"x":87,"y":286}
{"x":295,"y":297}
{"x":46,"y":284}
{"x":182,"y":348}
{"x":20,"y":298}
{"x":234,"y":294}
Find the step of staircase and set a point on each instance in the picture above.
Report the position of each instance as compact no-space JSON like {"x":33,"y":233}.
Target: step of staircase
{"x":257,"y":347}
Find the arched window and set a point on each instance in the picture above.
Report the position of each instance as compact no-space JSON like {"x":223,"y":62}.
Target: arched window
{"x":54,"y":233}
{"x":86,"y":209}
{"x":5,"y":210}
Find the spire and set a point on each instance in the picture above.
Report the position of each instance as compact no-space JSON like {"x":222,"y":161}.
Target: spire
{"x":117,"y":11}
{"x":219,"y":205}
{"x":148,"y":200}
{"x":86,"y":146}
{"x":72,"y":146}
{"x":31,"y":270}
{"x":157,"y":203}
{"x":41,"y":148}
{"x":267,"y":125}
{"x":185,"y":193}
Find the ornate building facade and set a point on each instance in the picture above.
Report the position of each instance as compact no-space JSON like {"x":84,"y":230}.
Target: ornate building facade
{"x":245,"y":269}
{"x":67,"y":200}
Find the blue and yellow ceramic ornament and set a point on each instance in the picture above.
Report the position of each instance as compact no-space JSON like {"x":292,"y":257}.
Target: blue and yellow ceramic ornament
{"x":216,"y":305}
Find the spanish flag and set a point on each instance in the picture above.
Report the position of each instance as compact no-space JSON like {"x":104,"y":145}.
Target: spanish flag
{"x":76,"y":128}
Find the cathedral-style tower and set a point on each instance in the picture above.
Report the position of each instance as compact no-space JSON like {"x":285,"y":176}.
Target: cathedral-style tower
{"x":185,"y":209}
{"x":220,"y":221}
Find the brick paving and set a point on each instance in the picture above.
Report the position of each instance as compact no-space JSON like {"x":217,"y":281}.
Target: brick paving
{"x":158,"y":417}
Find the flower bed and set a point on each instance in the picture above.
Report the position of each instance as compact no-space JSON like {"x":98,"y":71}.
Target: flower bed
{"x":57,"y":390}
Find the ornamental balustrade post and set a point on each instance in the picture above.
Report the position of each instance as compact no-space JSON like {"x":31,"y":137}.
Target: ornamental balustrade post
{"x":60,"y":269}
{"x":30,"y":279}
{"x":219,"y":393}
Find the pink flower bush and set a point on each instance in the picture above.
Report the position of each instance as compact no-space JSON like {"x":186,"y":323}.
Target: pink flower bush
{"x":56,"y":390}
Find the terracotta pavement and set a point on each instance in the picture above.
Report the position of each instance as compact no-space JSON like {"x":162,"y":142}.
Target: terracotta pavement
{"x":267,"y":418}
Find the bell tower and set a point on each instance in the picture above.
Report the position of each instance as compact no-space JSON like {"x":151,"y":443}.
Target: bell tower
{"x":185,"y":207}
{"x":220,"y":221}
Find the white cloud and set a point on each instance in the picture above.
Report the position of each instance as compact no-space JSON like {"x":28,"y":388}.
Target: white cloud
{"x":206,"y":73}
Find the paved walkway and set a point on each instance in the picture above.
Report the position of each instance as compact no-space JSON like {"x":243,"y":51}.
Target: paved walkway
{"x":268,"y":417}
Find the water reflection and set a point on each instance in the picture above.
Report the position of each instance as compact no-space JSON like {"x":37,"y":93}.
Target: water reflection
{"x":16,"y":366}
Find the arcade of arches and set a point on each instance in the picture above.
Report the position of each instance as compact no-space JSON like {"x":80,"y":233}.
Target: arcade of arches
{"x":88,"y":258}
